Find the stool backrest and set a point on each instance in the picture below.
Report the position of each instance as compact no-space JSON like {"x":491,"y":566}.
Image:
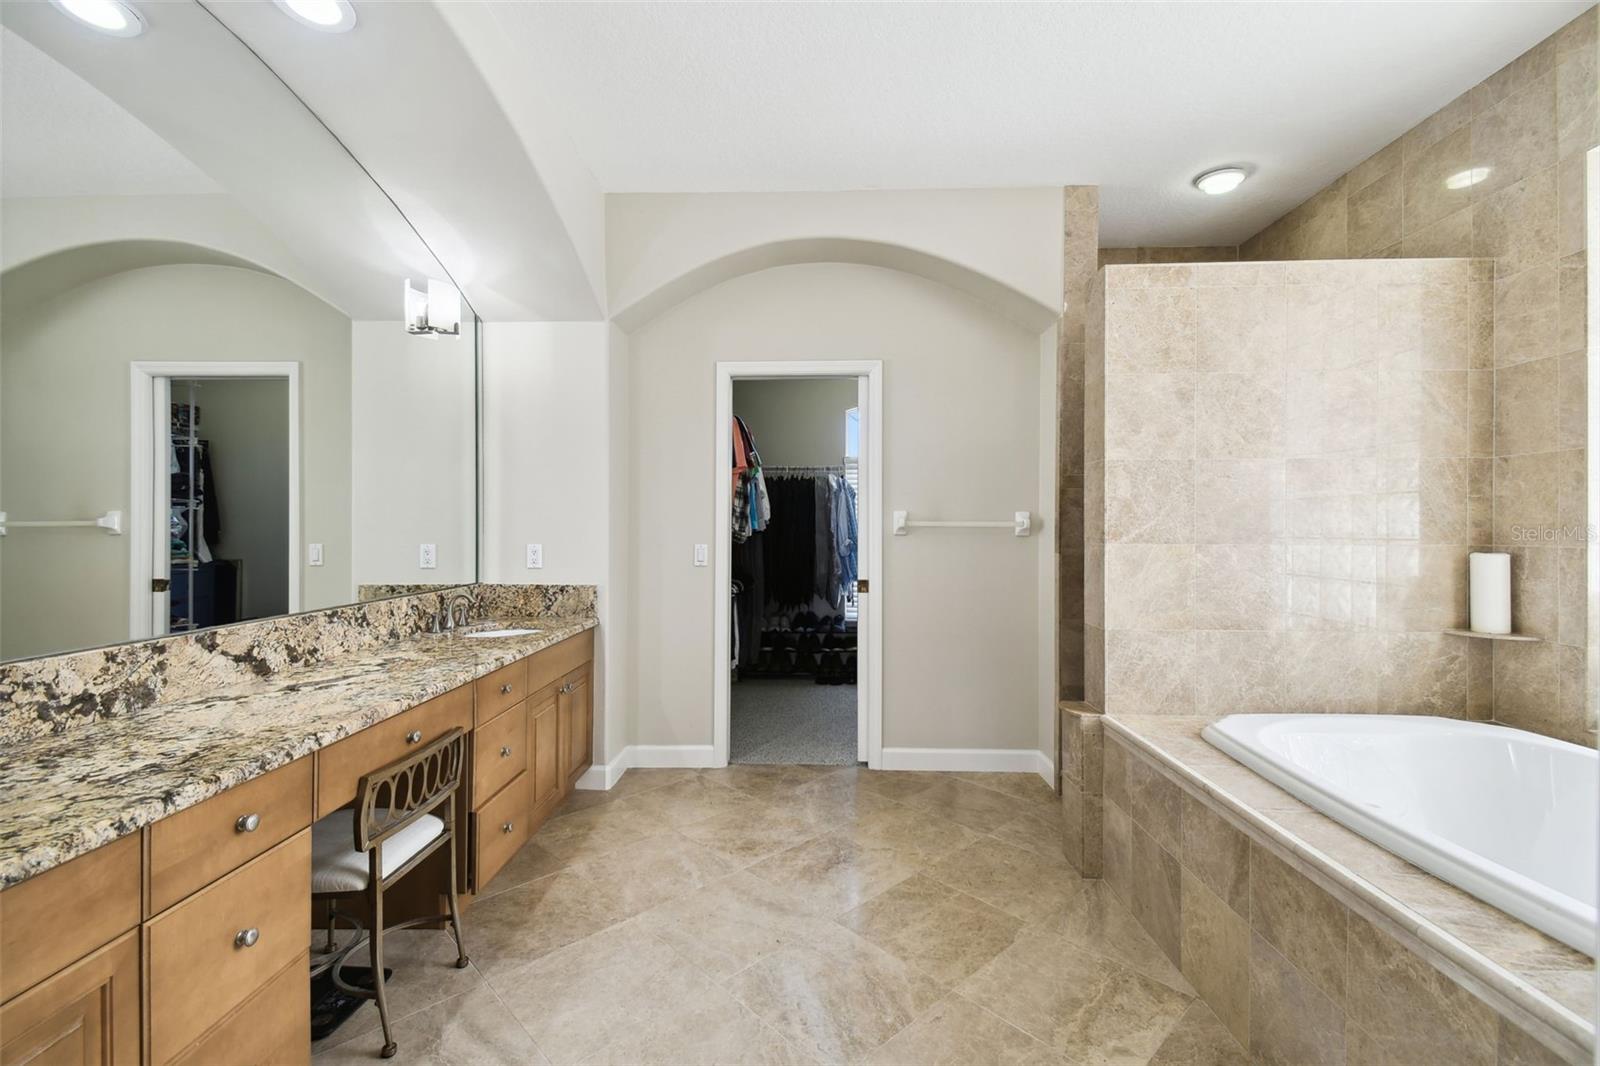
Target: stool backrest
{"x":391,"y":798}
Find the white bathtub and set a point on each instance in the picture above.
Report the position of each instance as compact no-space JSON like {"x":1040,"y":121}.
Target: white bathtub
{"x":1509,"y":816}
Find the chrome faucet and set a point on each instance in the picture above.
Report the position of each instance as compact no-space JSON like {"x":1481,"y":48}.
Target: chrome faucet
{"x":458,"y":607}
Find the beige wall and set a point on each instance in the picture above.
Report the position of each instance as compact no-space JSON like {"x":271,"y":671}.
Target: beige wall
{"x":1528,"y":127}
{"x":1287,"y":465}
{"x":64,"y":383}
{"x":247,"y":422}
{"x":799,"y":422}
{"x":961,"y":439}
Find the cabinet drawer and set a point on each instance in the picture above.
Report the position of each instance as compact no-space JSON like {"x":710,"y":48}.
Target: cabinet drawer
{"x":86,"y":1014}
{"x":555,"y":662}
{"x":499,"y":829}
{"x":199,"y":971}
{"x":271,"y":1028}
{"x":52,"y":920}
{"x":499,"y":753}
{"x":195,"y":847}
{"x":340,"y":766}
{"x":501,"y":690}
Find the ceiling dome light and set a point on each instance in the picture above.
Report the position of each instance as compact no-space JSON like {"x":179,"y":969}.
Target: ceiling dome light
{"x":107,"y":16}
{"x":329,"y":16}
{"x":1223,"y":179}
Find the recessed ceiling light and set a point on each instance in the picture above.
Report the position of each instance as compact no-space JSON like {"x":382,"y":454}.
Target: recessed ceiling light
{"x":329,"y":16}
{"x":1223,"y":179}
{"x":107,"y":16}
{"x":1466,"y":179}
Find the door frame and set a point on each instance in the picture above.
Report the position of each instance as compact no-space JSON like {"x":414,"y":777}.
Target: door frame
{"x":869,"y":652}
{"x":148,"y":430}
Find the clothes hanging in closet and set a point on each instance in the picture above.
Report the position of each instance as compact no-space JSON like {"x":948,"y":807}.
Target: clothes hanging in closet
{"x":752,"y":507}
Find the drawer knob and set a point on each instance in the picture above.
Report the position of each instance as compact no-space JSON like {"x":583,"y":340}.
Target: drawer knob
{"x":505,"y":689}
{"x":247,"y":938}
{"x":247,"y":823}
{"x":505,"y":752}
{"x":506,"y":828}
{"x":567,"y":687}
{"x":413,"y":736}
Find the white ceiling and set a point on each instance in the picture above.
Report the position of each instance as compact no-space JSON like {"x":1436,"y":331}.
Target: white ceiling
{"x":1133,"y":97}
{"x":64,"y":137}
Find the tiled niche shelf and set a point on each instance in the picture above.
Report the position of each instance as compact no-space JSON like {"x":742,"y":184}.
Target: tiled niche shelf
{"x":1522,"y":637}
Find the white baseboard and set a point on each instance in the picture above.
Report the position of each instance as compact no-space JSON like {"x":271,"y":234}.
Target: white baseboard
{"x":991,"y":760}
{"x":605,"y":777}
{"x":1046,"y":769}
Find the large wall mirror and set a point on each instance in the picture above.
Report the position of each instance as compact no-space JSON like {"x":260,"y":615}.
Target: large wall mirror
{"x":211,"y":406}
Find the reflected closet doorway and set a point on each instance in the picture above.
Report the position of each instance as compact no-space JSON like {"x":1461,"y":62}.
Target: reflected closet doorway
{"x":798,"y":637}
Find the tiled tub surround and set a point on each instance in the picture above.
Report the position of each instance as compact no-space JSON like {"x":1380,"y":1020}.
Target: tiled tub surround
{"x":1286,"y":466}
{"x":1311,"y":944}
{"x":1528,"y":127}
{"x":71,"y":790}
{"x":1081,"y":763}
{"x":1081,"y":221}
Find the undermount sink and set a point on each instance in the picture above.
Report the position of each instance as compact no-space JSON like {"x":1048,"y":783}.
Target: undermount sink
{"x":485,"y":634}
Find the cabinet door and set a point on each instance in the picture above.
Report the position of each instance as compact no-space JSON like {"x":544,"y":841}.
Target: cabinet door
{"x":544,"y":750}
{"x":86,"y":1014}
{"x":577,"y":720}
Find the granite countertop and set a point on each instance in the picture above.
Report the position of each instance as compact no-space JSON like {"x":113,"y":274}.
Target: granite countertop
{"x":1519,"y":964}
{"x":65,"y":795}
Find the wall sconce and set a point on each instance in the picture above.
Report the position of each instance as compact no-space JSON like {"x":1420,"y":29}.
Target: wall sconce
{"x":436,"y":311}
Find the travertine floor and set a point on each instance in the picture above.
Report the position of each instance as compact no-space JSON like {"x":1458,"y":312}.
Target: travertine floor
{"x":776,"y":914}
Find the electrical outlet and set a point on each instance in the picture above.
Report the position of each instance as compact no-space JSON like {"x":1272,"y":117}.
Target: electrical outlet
{"x":314,"y":555}
{"x":428,"y":558}
{"x":536,"y":557}
{"x":702,"y":554}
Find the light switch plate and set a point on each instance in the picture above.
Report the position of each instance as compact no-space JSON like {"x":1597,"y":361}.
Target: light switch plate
{"x":313,"y":555}
{"x":536,"y":557}
{"x":428,"y":557}
{"x":702,"y":553}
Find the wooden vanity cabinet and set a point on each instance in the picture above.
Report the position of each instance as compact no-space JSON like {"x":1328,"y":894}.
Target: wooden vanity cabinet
{"x":188,"y":943}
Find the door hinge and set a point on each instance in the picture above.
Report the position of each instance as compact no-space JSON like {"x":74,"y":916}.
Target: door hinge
{"x":160,"y":584}
{"x":861,"y":585}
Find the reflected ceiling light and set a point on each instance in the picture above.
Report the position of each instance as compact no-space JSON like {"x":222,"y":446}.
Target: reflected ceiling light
{"x":1223,"y":179}
{"x":436,"y":311}
{"x":330,"y":16}
{"x":107,"y":16}
{"x":1466,"y":179}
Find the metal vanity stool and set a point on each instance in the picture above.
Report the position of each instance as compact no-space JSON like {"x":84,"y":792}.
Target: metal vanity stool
{"x":363,"y":851}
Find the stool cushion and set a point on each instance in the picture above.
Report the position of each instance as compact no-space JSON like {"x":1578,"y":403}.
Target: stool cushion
{"x":336,"y":866}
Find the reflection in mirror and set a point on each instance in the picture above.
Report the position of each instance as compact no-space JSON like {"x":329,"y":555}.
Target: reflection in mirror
{"x":211,"y":409}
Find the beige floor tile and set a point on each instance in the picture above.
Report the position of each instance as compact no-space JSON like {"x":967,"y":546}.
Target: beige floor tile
{"x":522,"y":924}
{"x":691,"y":800}
{"x":576,"y":1001}
{"x":424,"y":965}
{"x":597,"y":830}
{"x":1038,"y":830}
{"x":837,"y":999}
{"x":944,"y":933}
{"x":1021,"y":883}
{"x":748,"y":836}
{"x":530,"y":863}
{"x":897,"y":784}
{"x":915,"y":837}
{"x":957,"y":1032}
{"x":761,"y":780}
{"x":838,"y":873}
{"x":1200,"y":1039}
{"x":1030,"y":787}
{"x":740,"y":920}
{"x":647,"y":779}
{"x":653,"y":870}
{"x":1094,"y":1010}
{"x":1094,"y":918}
{"x":467,"y":1030}
{"x":973,"y":806}
{"x":689,"y":1020}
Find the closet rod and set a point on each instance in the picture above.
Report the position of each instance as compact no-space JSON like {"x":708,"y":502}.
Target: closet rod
{"x":802,"y":469}
{"x":111,"y":522}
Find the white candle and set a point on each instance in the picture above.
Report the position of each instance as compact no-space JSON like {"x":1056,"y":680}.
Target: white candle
{"x":1489,"y":591}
